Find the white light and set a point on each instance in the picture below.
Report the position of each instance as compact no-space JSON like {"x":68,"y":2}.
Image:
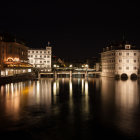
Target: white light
{"x":70,"y":66}
{"x":29,"y":70}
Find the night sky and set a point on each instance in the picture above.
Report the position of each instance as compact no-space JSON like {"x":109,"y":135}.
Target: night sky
{"x":78,"y":29}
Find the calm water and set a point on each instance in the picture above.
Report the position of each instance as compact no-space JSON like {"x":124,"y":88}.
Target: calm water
{"x":69,"y":108}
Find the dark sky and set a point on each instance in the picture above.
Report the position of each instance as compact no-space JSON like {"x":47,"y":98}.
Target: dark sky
{"x":80,"y":29}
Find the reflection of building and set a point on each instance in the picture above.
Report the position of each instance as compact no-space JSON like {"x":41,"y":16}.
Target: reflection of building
{"x":120,"y":59}
{"x":40,"y":58}
{"x":13,"y":54}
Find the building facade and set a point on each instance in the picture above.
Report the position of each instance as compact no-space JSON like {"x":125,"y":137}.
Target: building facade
{"x":41,"y":58}
{"x":12,"y":54}
{"x":119,"y":60}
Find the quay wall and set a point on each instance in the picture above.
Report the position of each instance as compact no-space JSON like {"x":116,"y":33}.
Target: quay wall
{"x":17,"y":78}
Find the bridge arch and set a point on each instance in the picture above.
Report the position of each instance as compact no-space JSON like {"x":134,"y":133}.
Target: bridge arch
{"x":124,"y":76}
{"x":133,"y":76}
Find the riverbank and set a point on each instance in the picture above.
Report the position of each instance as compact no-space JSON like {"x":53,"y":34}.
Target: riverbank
{"x":17,"y":78}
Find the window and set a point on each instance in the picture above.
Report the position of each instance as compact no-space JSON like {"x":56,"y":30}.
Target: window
{"x":120,"y":53}
{"x":135,"y":68}
{"x":40,"y":56}
{"x":29,"y":51}
{"x":48,"y":61}
{"x":36,"y":51}
{"x":44,"y":61}
{"x":127,"y":53}
{"x":35,"y":55}
{"x":120,"y":60}
{"x":44,"y":51}
{"x":31,"y":56}
{"x":48,"y":51}
{"x":28,"y":55}
{"x":48,"y":56}
{"x":44,"y":56}
{"x":40,"y":51}
{"x":134,"y":61}
{"x":40,"y":61}
{"x":32,"y":51}
{"x":127,"y":68}
{"x":135,"y":54}
{"x":120,"y":68}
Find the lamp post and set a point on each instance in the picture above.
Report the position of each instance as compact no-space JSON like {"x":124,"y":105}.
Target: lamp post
{"x":86,"y":74}
{"x":55,"y":74}
{"x":70,"y":70}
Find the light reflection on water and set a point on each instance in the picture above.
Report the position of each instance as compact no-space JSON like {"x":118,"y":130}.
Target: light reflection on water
{"x":117,"y":102}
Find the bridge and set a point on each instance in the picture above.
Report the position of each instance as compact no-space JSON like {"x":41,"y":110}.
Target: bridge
{"x":69,"y":73}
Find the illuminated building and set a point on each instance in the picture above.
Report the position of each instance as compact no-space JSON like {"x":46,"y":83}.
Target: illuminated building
{"x":41,"y":58}
{"x":13,"y":54}
{"x":119,"y":60}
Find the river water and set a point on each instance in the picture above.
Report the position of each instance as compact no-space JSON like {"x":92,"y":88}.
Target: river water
{"x":70,"y":108}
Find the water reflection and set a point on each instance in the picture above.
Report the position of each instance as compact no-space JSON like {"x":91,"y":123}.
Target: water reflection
{"x":120,"y":101}
{"x":127,"y":101}
{"x":114,"y":103}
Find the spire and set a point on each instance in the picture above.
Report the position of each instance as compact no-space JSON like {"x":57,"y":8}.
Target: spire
{"x":49,"y":43}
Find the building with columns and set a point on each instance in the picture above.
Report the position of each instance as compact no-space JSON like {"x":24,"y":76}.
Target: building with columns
{"x":41,"y":58}
{"x":120,"y":59}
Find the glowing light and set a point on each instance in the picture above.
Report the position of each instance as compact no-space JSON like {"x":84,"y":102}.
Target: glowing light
{"x":70,"y":66}
{"x":29,"y":70}
{"x":10,"y":59}
{"x":86,"y":66}
{"x":16,"y":59}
